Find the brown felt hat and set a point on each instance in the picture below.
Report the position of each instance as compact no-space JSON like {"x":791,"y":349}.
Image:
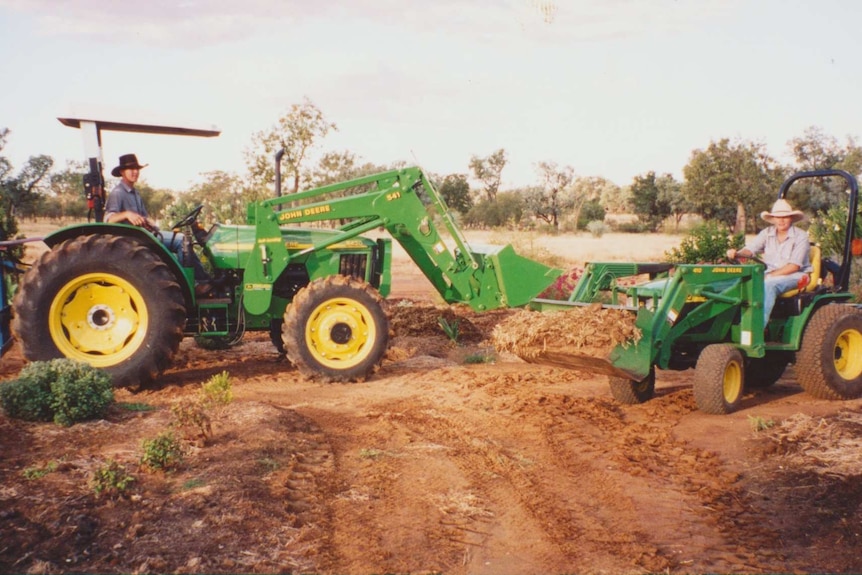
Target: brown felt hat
{"x":127,"y":161}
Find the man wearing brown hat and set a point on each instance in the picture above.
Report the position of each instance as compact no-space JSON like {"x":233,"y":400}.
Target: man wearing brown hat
{"x":785,"y":252}
{"x":125,"y":205}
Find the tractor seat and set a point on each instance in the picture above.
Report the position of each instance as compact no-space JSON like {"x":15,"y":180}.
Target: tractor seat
{"x":810,"y":281}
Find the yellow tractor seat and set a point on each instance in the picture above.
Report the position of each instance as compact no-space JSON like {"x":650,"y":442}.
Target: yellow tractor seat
{"x":811,"y":280}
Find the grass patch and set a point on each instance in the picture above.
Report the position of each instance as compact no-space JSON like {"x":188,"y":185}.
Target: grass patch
{"x":132,"y":406}
{"x":760,"y":424}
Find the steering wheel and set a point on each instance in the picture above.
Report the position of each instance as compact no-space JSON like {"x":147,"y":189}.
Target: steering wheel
{"x":189,"y":218}
{"x":743,"y":259}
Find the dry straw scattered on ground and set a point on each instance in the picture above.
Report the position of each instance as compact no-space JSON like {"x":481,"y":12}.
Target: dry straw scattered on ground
{"x":824,"y":446}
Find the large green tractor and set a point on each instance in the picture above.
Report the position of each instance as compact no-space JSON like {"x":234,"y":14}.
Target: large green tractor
{"x":113,"y":296}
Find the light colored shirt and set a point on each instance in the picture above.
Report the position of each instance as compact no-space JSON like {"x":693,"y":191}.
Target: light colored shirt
{"x":124,"y":199}
{"x":793,"y":250}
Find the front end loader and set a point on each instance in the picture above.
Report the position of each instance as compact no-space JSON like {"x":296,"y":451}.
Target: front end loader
{"x":710,"y":318}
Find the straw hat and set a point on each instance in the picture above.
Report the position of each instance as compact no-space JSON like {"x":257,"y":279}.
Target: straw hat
{"x":782,"y":209}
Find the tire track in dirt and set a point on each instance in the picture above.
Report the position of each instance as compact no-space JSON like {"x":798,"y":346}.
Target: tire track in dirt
{"x":538,"y":479}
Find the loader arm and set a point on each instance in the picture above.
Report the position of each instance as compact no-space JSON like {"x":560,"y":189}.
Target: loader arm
{"x":406,"y":205}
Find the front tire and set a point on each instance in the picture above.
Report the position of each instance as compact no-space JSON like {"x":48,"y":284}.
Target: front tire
{"x":335,"y":329}
{"x":105,"y":300}
{"x":829,"y":361}
{"x":718,"y":379}
{"x":631,"y":392}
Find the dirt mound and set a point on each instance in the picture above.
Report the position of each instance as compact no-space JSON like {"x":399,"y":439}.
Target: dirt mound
{"x":414,"y":319}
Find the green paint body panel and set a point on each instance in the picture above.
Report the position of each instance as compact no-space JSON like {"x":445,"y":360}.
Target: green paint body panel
{"x":680,"y":311}
{"x":264,"y":262}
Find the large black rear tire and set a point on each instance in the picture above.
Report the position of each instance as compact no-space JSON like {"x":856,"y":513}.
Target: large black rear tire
{"x":105,"y":300}
{"x":335,"y":329}
{"x":829,"y":361}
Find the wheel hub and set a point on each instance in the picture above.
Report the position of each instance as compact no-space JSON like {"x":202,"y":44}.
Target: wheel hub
{"x":100,"y":317}
{"x":341,"y":333}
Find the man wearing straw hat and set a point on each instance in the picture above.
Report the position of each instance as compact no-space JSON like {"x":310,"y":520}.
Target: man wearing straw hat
{"x":785,"y":252}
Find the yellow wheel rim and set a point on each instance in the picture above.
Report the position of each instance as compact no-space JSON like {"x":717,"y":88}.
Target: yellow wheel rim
{"x":732,"y":385}
{"x":848,"y":354}
{"x":98,"y":318}
{"x":340,"y":333}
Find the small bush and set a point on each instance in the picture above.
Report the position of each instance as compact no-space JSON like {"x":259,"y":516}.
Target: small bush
{"x":111,"y":479}
{"x":707,"y":243}
{"x":192,"y":421}
{"x":216,"y":391}
{"x":62,"y":390}
{"x":596,"y":228}
{"x":163,"y":453}
{"x":449,"y":328}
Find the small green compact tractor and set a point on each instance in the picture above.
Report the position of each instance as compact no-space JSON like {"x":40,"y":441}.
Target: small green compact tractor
{"x":710,"y":317}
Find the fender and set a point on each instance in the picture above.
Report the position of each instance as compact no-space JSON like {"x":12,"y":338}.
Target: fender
{"x":139,"y":234}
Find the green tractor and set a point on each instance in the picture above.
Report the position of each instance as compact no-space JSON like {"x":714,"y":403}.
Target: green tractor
{"x":113,"y":296}
{"x":710,"y":318}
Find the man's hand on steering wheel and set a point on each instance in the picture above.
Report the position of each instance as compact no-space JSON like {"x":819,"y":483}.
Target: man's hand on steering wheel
{"x":734,"y":257}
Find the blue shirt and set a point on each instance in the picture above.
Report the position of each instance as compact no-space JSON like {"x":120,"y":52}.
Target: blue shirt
{"x":793,"y":250}
{"x":124,"y":199}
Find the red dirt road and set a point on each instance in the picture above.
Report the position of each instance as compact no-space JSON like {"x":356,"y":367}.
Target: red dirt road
{"x":432,"y":465}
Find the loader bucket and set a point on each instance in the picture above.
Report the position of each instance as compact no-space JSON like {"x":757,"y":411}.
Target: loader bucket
{"x":630,"y":359}
{"x":510,"y":280}
{"x":608,"y":339}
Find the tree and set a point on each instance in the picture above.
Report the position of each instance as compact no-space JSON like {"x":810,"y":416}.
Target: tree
{"x":224,"y":194}
{"x":506,"y":210}
{"x":67,"y":189}
{"x":615,"y":199}
{"x":648,"y":202}
{"x":815,"y":150}
{"x":296,"y":132}
{"x":553,"y":196}
{"x":455,"y":190}
{"x":670,"y":195}
{"x":489,"y":171}
{"x":19,"y":194}
{"x":731,"y":178}
{"x":587,"y":189}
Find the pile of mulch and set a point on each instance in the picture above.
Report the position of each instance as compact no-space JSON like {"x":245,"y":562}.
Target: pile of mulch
{"x":825,"y":446}
{"x":591,"y":330}
{"x":566,"y":337}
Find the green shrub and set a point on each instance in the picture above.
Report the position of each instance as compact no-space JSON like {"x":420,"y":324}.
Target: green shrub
{"x":450,"y":328}
{"x":706,"y":243}
{"x":164,"y":452}
{"x":111,"y":479}
{"x":591,"y":211}
{"x":80,"y":392}
{"x":217,"y":390}
{"x":62,"y":390}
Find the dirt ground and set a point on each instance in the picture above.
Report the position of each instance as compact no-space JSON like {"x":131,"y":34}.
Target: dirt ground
{"x":441,"y":462}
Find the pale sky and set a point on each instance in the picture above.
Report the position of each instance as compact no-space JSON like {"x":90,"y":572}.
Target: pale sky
{"x":613,"y":88}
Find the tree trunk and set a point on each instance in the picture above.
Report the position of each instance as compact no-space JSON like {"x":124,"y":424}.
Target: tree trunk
{"x":740,"y":218}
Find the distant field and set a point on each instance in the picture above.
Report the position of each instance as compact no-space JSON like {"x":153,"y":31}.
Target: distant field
{"x":563,"y":250}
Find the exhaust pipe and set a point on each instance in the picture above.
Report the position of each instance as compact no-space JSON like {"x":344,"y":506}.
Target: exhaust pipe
{"x":278,"y":155}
